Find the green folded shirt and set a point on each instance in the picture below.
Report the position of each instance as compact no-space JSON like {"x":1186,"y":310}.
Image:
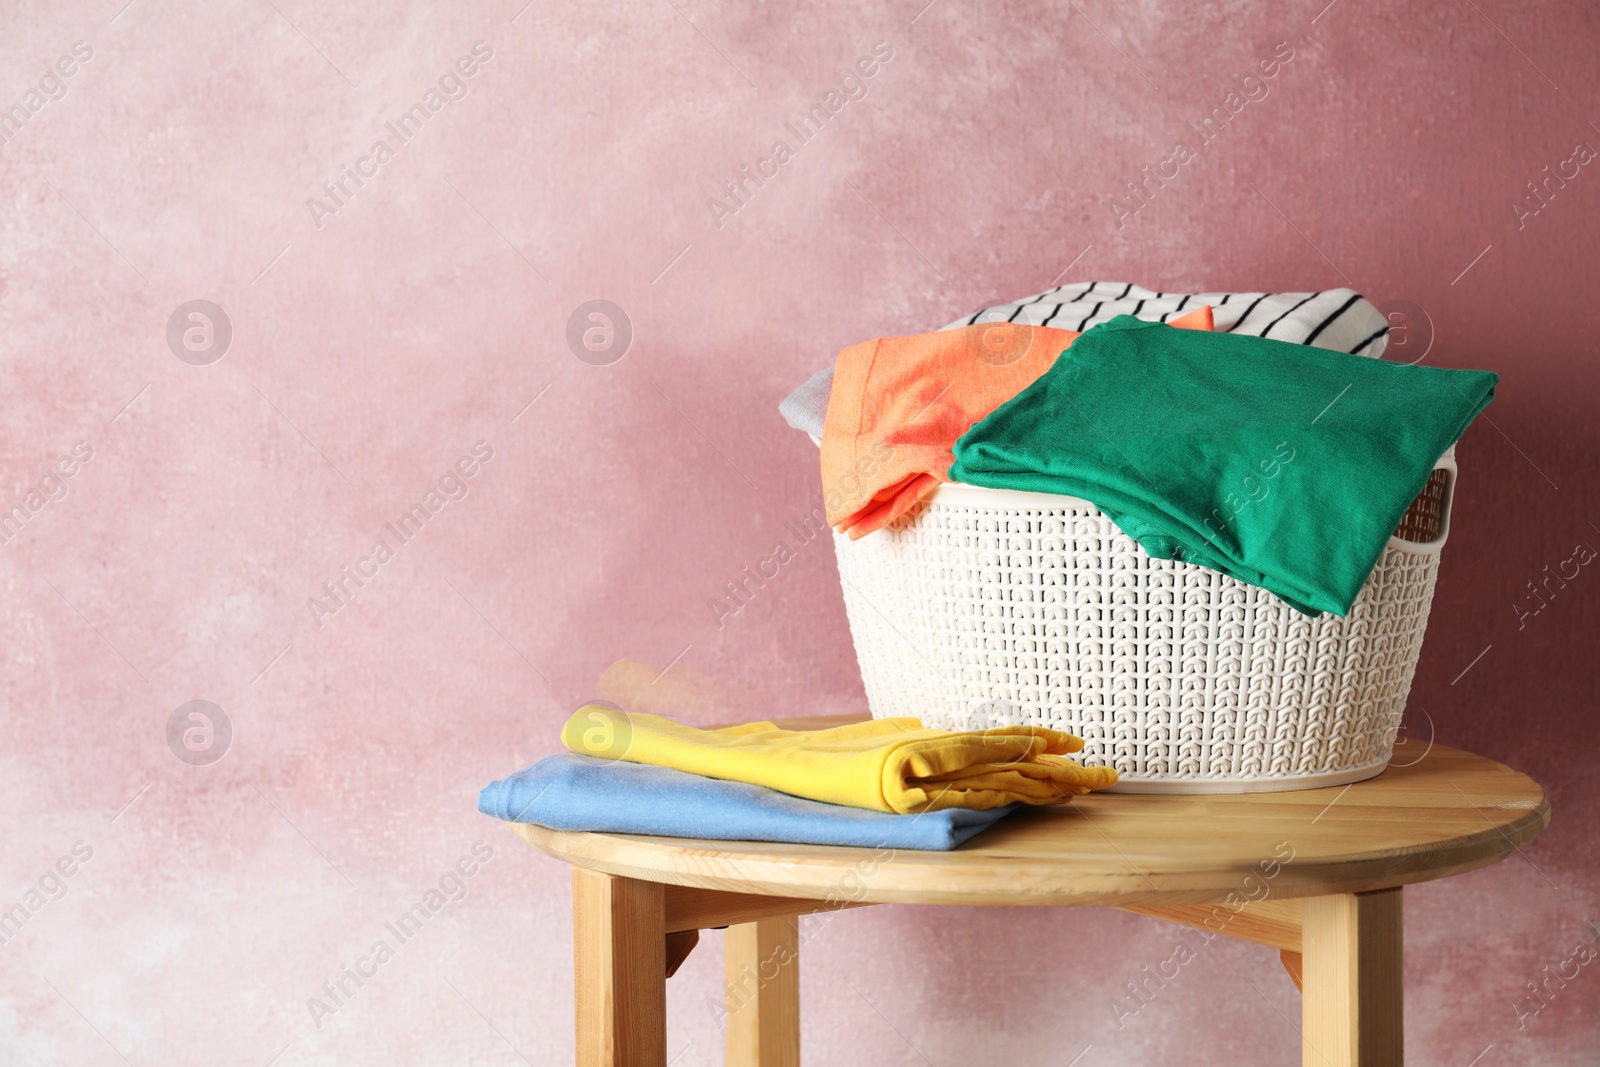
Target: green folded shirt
{"x":1284,"y":466}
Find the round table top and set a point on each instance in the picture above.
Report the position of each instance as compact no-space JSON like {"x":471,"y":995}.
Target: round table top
{"x":1423,"y":818}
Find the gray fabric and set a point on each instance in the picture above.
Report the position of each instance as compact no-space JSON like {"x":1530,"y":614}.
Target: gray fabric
{"x":807,"y":406}
{"x":1337,"y":319}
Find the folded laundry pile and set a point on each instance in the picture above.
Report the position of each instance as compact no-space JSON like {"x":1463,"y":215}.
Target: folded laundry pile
{"x":884,"y":782}
{"x":1261,"y":440}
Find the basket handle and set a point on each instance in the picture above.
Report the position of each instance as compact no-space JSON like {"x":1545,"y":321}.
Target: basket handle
{"x":1447,"y":462}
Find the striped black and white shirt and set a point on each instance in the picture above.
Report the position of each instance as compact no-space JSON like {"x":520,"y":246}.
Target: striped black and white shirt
{"x":1339,"y":319}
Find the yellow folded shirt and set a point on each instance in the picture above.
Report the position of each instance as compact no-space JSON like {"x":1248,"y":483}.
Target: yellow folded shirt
{"x":890,"y":765}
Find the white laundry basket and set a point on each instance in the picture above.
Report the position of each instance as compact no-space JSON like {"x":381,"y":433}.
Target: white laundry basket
{"x":993,"y":607}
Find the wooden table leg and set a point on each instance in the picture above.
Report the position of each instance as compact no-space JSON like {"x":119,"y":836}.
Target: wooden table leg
{"x":619,"y":962}
{"x":1352,"y":1008}
{"x":761,"y":966}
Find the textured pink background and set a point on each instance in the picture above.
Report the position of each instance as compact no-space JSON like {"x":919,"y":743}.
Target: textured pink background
{"x":431,"y":309}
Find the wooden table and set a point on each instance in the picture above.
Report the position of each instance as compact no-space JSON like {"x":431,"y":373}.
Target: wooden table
{"x":1316,"y":874}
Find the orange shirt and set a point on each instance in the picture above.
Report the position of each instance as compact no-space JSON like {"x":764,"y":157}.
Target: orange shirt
{"x":899,"y":404}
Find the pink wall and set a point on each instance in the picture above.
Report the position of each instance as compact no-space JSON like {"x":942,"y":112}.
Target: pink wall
{"x":371,"y":351}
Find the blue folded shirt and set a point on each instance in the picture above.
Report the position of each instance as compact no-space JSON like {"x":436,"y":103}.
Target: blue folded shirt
{"x":570,"y":792}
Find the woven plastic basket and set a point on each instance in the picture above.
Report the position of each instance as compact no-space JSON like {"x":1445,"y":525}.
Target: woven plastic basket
{"x":989,"y":607}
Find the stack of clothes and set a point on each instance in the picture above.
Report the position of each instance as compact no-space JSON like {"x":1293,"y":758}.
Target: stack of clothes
{"x":884,"y":783}
{"x":1253,"y":434}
